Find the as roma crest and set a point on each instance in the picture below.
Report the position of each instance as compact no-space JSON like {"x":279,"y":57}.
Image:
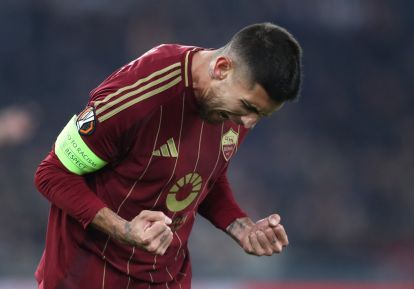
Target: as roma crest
{"x":229,"y":143}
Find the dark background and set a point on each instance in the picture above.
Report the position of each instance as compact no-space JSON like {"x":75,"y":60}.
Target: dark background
{"x":338,"y":165}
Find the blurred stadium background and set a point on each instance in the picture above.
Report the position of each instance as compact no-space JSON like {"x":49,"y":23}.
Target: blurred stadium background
{"x":338,"y":165}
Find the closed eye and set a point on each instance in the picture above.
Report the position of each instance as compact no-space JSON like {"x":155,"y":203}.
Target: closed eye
{"x":248,"y":106}
{"x":224,"y":115}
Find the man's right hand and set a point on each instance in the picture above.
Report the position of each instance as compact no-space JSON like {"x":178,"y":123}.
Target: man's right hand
{"x":149,"y":230}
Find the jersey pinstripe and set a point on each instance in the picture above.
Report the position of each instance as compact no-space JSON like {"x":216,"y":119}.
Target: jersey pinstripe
{"x":161,"y":156}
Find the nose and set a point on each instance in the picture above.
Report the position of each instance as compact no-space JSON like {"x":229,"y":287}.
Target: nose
{"x":250,"y":120}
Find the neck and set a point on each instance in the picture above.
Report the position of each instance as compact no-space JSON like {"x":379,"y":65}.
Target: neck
{"x":199,"y":71}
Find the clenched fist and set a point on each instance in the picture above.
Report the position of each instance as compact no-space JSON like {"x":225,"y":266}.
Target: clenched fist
{"x":149,"y":230}
{"x":265,"y":237}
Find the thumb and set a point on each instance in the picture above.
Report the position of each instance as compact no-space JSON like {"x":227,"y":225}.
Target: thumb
{"x":273,"y":220}
{"x":154,"y":216}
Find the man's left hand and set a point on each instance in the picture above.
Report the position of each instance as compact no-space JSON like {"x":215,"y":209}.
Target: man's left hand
{"x":265,"y":237}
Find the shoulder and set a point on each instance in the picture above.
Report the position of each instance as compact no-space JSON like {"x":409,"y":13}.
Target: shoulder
{"x":160,"y":57}
{"x":168,"y":51}
{"x":140,"y":87}
{"x":157,"y":64}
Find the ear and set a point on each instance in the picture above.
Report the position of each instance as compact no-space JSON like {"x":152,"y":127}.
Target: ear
{"x":221,"y":68}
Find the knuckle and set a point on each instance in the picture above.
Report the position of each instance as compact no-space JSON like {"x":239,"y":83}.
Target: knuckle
{"x":159,"y":214}
{"x":158,"y":226}
{"x":259,"y":235}
{"x":145,"y":241}
{"x":166,"y":231}
{"x":278,"y":232}
{"x":151,"y":247}
{"x":143,"y":213}
{"x":280,"y":229}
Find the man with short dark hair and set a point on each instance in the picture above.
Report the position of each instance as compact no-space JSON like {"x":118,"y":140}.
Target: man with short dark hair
{"x":128,"y":174}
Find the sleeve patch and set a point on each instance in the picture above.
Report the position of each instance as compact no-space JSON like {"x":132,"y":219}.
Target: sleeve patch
{"x":85,"y":122}
{"x":74,"y":153}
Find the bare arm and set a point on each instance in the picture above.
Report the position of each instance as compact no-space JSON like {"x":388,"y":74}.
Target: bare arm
{"x":110,"y":223}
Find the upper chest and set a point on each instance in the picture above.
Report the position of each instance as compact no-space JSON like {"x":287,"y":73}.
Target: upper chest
{"x":175,"y":142}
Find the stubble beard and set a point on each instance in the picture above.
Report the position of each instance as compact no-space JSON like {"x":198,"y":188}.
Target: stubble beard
{"x":209,"y":109}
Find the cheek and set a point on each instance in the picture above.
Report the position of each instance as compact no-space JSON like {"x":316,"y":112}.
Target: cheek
{"x":215,"y":102}
{"x":219,"y":92}
{"x":214,"y":95}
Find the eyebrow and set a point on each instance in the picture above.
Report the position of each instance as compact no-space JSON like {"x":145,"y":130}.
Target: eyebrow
{"x":251,"y":107}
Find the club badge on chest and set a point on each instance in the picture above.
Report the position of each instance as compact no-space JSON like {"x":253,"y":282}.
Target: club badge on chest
{"x":229,"y":143}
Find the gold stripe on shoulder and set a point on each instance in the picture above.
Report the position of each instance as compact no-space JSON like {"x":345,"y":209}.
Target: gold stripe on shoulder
{"x":186,"y":69}
{"x":137,"y":91}
{"x":138,"y":82}
{"x":142,"y":97}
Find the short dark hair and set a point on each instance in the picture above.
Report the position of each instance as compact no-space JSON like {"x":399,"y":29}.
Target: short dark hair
{"x":273,"y":59}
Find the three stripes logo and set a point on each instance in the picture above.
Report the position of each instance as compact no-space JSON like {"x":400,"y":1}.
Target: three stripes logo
{"x":167,"y":150}
{"x":144,"y":88}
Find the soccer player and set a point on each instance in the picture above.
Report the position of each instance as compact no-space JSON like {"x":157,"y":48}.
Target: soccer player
{"x":127,"y":175}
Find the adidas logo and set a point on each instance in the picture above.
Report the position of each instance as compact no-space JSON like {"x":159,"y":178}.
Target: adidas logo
{"x":167,"y":150}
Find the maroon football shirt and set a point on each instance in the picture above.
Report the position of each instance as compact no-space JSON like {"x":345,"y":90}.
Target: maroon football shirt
{"x":144,"y":121}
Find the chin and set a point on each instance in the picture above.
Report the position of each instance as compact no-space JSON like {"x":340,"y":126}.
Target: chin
{"x":211,"y":117}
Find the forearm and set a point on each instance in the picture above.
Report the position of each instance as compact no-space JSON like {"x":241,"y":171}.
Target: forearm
{"x":237,"y":229}
{"x":67,"y":191}
{"x":112,"y":224}
{"x":148,"y":230}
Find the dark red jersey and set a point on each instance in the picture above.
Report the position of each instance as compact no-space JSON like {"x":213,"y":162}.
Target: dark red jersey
{"x":140,"y":144}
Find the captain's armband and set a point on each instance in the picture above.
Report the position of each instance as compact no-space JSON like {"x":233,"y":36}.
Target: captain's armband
{"x":74,"y":153}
